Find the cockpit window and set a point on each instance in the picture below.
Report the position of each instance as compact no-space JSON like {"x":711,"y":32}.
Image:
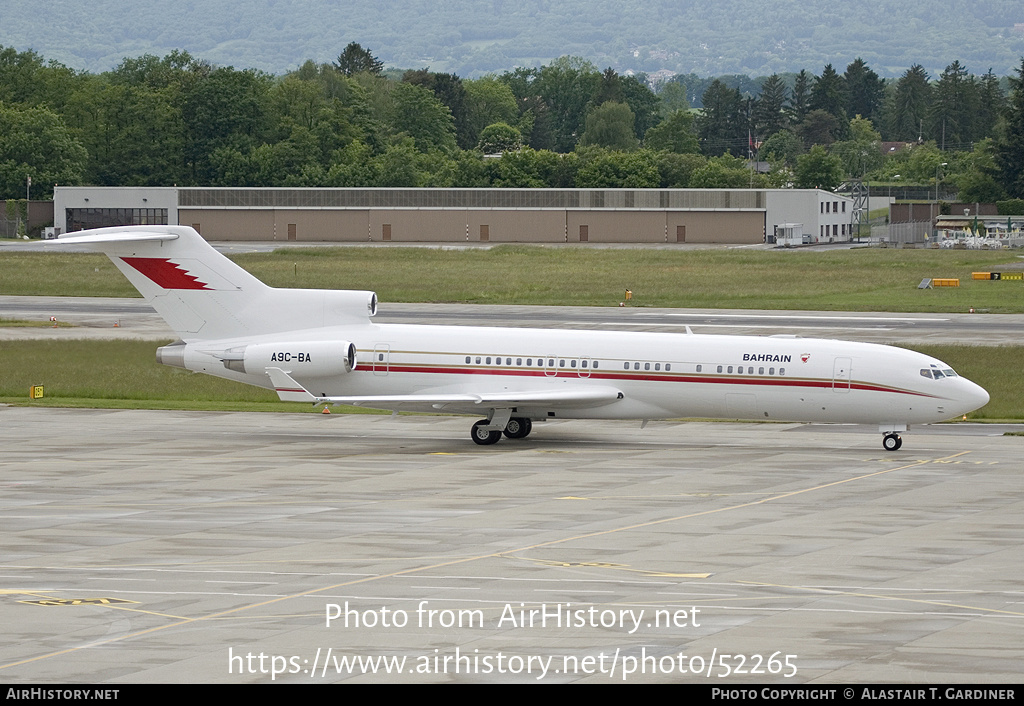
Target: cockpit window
{"x":926,"y":373}
{"x":950,"y":373}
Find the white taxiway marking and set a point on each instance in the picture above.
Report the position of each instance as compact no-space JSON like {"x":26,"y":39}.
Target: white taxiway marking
{"x":703,"y":325}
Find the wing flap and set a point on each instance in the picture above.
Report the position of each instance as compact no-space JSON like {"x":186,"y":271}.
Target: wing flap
{"x":288,"y":390}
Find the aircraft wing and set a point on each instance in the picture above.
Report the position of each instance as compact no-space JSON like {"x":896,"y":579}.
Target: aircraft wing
{"x":570,"y":396}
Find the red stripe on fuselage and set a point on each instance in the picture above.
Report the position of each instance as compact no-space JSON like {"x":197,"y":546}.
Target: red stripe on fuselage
{"x":165,"y":273}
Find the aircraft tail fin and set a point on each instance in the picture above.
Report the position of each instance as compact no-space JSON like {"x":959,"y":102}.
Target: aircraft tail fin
{"x":203,"y":295}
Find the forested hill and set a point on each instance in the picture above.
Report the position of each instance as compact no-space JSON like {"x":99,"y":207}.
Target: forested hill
{"x":473,"y":37}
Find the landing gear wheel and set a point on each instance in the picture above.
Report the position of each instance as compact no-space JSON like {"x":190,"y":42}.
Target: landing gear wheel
{"x":484,"y":436}
{"x":892,"y":442}
{"x":518,"y":427}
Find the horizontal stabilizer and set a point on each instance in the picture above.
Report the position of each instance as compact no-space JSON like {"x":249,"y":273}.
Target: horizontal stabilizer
{"x":116,"y":235}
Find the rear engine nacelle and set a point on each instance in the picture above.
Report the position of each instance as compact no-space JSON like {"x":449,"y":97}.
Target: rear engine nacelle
{"x":300,"y":358}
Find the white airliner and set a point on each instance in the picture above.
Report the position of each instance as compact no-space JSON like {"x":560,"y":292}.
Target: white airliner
{"x":321,"y":346}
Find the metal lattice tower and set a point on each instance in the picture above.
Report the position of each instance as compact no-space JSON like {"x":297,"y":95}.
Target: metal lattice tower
{"x":859,"y":194}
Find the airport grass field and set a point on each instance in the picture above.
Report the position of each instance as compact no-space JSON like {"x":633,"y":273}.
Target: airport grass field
{"x":125,"y":373}
{"x":866,"y":279}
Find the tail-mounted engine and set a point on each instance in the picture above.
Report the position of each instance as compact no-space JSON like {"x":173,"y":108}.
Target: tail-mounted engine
{"x":305,"y":359}
{"x":301,"y":358}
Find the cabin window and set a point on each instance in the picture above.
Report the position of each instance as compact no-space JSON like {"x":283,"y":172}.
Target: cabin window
{"x":584,"y":364}
{"x":647,"y":366}
{"x":730,"y":369}
{"x":488,"y":360}
{"x":595,"y":364}
{"x":572,"y":363}
{"x":551,"y":362}
{"x":719,"y":368}
{"x":657,"y":366}
{"x":519,"y":361}
{"x":468,"y":360}
{"x":698,"y":368}
{"x":760,"y":371}
{"x":750,"y":370}
{"x":625,"y":366}
{"x":771,"y":371}
{"x":508,"y":361}
{"x":782,"y":371}
{"x":478,"y":360}
{"x":636,"y":366}
{"x":668,"y":366}
{"x":561,"y":363}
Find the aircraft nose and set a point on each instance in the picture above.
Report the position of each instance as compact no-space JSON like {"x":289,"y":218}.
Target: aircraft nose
{"x":974,"y":396}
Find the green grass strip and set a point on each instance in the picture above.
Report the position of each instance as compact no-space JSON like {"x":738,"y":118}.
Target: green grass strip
{"x":866,"y":279}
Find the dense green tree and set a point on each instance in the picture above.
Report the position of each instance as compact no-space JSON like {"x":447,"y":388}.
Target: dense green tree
{"x":721,"y":126}
{"x":614,"y":170}
{"x":800,"y":99}
{"x":818,"y":128}
{"x":448,"y":89}
{"x":490,"y":101}
{"x":990,"y":105}
{"x":609,"y":88}
{"x":133,"y":135}
{"x":672,"y":97}
{"x":818,"y":170}
{"x":829,"y":95}
{"x":527,"y":168}
{"x":566,"y":86}
{"x":911,"y":105}
{"x":644,"y":104}
{"x":34,"y":142}
{"x":674,"y":134}
{"x":975,"y":175}
{"x":782,"y":147}
{"x":725,"y":172}
{"x":19,"y":72}
{"x":864,"y":91}
{"x":354,"y":60}
{"x":953,"y":104}
{"x":224,"y":108}
{"x":862,"y":152}
{"x":499,"y":137}
{"x":611,"y":126}
{"x":676,"y":170}
{"x":1009,"y":147}
{"x":419,"y":114}
{"x":769,"y":116}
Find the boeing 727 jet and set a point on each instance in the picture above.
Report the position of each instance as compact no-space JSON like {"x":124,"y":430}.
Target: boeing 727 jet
{"x":323,"y":347}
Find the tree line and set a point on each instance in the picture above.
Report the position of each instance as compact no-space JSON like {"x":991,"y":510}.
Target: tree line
{"x":178,"y":120}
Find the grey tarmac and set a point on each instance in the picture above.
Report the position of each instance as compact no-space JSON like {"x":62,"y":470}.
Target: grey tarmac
{"x":150,"y":546}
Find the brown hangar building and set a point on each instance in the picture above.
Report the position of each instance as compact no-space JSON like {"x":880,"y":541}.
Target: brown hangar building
{"x":462,"y":215}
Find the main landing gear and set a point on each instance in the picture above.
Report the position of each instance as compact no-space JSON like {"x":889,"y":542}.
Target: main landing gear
{"x":515,"y":428}
{"x":892,"y":441}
